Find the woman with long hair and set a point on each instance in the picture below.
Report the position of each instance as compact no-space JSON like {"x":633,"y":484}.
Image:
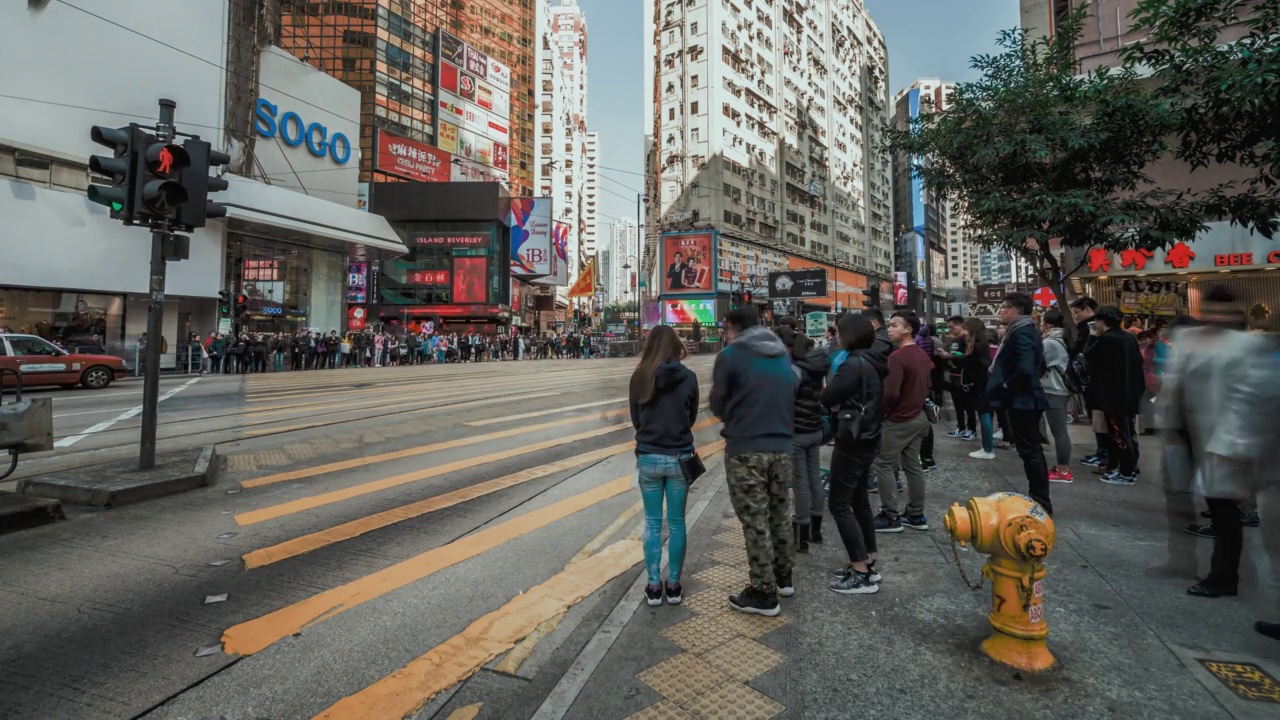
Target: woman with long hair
{"x":857,"y":386}
{"x":976,"y":365}
{"x":664,"y":405}
{"x":810,"y":365}
{"x":1056,"y":358}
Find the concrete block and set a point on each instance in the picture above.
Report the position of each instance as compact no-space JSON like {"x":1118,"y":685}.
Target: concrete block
{"x":20,"y":512}
{"x":122,"y":483}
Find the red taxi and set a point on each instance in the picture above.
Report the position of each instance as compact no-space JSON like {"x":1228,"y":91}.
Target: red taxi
{"x":40,"y":362}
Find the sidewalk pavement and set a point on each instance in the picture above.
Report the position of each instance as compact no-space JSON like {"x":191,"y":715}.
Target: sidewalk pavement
{"x":1129,"y":641}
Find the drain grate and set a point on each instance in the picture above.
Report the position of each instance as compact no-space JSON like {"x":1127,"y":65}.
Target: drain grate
{"x":1247,"y":680}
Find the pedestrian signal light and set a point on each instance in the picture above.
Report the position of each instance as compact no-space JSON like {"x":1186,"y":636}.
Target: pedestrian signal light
{"x":158,"y":192}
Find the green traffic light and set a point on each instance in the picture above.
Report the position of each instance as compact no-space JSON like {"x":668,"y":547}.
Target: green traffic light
{"x":117,"y":207}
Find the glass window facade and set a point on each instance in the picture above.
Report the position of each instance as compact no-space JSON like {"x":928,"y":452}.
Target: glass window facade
{"x":431,"y":274}
{"x":288,"y":287}
{"x":86,"y":321}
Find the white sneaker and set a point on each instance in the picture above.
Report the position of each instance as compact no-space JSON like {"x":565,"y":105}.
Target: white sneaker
{"x":982,"y":455}
{"x":998,"y":435}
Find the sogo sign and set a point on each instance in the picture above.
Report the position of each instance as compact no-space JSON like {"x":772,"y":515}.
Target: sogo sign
{"x":294,"y":132}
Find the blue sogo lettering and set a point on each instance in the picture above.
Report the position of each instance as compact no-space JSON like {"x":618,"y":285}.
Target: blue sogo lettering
{"x":294,"y":132}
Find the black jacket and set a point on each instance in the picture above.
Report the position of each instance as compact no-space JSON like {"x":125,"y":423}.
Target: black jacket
{"x":1116,"y":381}
{"x":974,"y":369}
{"x":664,"y":425}
{"x":860,"y":378}
{"x":1014,"y":382}
{"x":812,"y":370}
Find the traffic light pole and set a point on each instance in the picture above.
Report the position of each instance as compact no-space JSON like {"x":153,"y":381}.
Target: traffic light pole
{"x":155,"y":331}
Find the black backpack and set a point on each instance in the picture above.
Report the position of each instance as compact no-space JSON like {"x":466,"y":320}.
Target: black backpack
{"x":1076,"y":378}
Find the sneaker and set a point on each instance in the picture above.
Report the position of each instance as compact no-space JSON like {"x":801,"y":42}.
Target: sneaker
{"x":956,"y":433}
{"x":785,"y":588}
{"x":674,"y":594}
{"x":981,"y":454}
{"x":998,"y":435}
{"x":872,"y":572}
{"x":755,"y":602}
{"x":1117,"y":478}
{"x":854,"y":583}
{"x":1204,"y":531}
{"x":1250,"y":519}
{"x":1207,"y":590}
{"x":1206,"y":514}
{"x":1094,"y":460}
{"x":969,"y":435}
{"x":928,"y":465}
{"x":653,"y":595}
{"x":886,"y":524}
{"x":1061,"y":477}
{"x":915,"y":522}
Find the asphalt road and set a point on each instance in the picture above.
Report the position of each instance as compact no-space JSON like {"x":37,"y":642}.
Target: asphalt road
{"x":379,"y":533}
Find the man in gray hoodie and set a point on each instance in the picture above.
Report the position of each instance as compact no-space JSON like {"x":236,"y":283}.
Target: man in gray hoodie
{"x":753,"y":392}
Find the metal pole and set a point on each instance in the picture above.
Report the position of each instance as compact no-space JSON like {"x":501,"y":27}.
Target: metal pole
{"x":151,"y":375}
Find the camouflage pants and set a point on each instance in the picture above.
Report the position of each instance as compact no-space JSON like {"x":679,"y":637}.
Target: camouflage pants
{"x":760,"y":490}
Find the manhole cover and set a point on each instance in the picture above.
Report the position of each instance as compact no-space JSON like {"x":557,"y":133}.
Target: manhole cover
{"x":1247,"y":680}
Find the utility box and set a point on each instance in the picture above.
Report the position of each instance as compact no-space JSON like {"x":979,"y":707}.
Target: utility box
{"x":26,"y":426}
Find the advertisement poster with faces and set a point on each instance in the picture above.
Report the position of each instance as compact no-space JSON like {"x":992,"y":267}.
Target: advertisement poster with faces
{"x":473,"y":100}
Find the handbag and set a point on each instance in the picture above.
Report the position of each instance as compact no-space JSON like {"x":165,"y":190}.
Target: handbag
{"x":931,"y":411}
{"x":849,"y":421}
{"x":691,"y":466}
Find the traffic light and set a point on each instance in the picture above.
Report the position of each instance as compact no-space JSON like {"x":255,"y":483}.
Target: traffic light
{"x":746,"y":297}
{"x":242,"y":306}
{"x":157,"y":192}
{"x":119,"y":167}
{"x":224,"y":303}
{"x":197,"y":184}
{"x":873,"y":297}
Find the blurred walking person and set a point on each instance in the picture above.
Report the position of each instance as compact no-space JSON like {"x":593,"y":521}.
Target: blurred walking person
{"x":1014,"y":387}
{"x":753,"y":392}
{"x":664,"y":406}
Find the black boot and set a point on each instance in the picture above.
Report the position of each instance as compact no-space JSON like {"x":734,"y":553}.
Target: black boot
{"x":801,"y":533}
{"x":815,"y":529}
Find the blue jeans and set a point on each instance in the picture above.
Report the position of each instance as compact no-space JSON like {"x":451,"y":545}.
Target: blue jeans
{"x":988,"y":432}
{"x":660,"y":477}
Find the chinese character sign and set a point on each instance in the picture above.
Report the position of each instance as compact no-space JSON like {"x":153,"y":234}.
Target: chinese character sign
{"x":428,"y":277}
{"x":411,"y":159}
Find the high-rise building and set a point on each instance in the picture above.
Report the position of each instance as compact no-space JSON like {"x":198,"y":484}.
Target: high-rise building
{"x":561,"y":152}
{"x":762,"y":118}
{"x":386,"y":49}
{"x":622,"y":249}
{"x":591,"y":199}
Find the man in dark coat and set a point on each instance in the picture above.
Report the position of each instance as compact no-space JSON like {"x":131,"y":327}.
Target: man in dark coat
{"x":1014,"y":385}
{"x":1115,"y":370}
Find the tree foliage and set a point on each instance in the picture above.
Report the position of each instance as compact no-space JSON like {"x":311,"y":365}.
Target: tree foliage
{"x":1034,"y":151}
{"x":1216,"y":63}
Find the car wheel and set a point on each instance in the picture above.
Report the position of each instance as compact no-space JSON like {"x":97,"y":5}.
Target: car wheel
{"x":96,"y":378}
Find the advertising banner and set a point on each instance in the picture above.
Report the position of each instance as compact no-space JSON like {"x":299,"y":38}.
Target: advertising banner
{"x":467,"y":171}
{"x":737,"y":260}
{"x":447,"y":137}
{"x":560,"y":253}
{"x":449,"y":78}
{"x":467,"y":144}
{"x":501,"y":104}
{"x":475,"y":120}
{"x":900,"y":294}
{"x":452,"y":49}
{"x":484,"y":96}
{"x":499,"y":76}
{"x":469,"y":275}
{"x":499,"y":130}
{"x":411,"y":159}
{"x":357,"y":276}
{"x":530,"y":223}
{"x":798,"y":284}
{"x":920,"y":262}
{"x":501,"y":157}
{"x":687,"y":312}
{"x":484,"y":150}
{"x":450,"y":107}
{"x":477,"y":63}
{"x":467,"y":87}
{"x":688,"y":260}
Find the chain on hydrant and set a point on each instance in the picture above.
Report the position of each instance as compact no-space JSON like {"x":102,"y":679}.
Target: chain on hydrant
{"x":1016,"y":533}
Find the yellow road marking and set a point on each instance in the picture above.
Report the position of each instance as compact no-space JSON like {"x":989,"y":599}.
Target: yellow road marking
{"x":273,"y":512}
{"x":410,"y":452}
{"x":355,"y":528}
{"x":257,"y":634}
{"x":398,"y":401}
{"x":525,"y":416}
{"x":411,"y":687}
{"x":466,"y":713}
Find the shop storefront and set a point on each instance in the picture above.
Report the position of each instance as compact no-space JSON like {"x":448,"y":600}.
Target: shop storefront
{"x":1153,"y":286}
{"x":77,"y":321}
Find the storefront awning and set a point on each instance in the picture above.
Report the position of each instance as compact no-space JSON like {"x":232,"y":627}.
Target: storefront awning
{"x":288,"y":215}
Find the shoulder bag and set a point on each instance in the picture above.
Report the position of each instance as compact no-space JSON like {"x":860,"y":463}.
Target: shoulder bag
{"x":691,"y":466}
{"x":849,"y":418}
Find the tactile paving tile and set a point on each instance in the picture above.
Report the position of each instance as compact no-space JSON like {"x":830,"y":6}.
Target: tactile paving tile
{"x":725,"y":577}
{"x":743,"y":659}
{"x":662,"y":710}
{"x":241,"y":463}
{"x":736,"y":556}
{"x":699,"y":633}
{"x":682,"y":678}
{"x":752,"y":626}
{"x":710,"y":600}
{"x":730,"y":538}
{"x":733,"y":701}
{"x":731,"y":523}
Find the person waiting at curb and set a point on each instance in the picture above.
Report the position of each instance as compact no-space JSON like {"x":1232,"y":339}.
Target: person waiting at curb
{"x":1014,"y":386}
{"x":905,"y":426}
{"x":753,"y":392}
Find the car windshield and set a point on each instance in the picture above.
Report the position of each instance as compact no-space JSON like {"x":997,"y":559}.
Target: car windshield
{"x":33,"y":346}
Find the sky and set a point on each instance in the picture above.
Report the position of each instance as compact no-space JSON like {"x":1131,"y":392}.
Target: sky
{"x":926,"y":38}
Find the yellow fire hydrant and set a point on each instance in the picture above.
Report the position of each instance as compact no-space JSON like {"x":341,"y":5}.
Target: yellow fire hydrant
{"x":1017,"y":534}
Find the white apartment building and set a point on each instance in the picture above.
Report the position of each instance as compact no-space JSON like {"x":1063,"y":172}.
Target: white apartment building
{"x":591,"y":199}
{"x":623,"y":248}
{"x":762,"y":115}
{"x":561,"y":152}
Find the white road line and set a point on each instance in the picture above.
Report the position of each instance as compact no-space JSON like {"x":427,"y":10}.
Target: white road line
{"x":87,"y":412}
{"x":131,"y":412}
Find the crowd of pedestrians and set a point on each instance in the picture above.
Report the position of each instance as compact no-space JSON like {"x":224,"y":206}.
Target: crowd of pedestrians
{"x":873,"y":390}
{"x":314,"y":350}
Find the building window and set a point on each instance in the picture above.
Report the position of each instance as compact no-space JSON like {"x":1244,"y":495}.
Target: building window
{"x":693,"y":81}
{"x":693,"y":107}
{"x":671,"y":113}
{"x":693,"y":28}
